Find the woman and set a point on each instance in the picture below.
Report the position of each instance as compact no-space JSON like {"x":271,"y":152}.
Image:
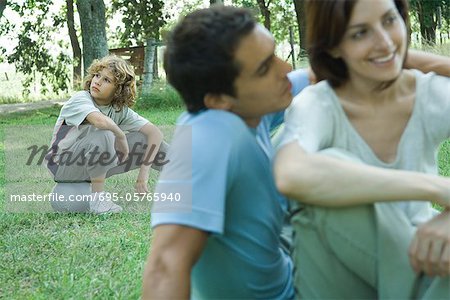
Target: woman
{"x":367,"y":109}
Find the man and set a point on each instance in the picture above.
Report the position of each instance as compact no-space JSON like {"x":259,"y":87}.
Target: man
{"x":235,"y":88}
{"x":235,"y":85}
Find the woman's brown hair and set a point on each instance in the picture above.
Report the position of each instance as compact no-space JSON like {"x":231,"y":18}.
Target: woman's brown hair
{"x":326,"y":24}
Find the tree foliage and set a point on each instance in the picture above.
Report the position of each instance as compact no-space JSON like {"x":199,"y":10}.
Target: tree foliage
{"x":282,"y":15}
{"x":430,"y":14}
{"x":2,"y":7}
{"x":142,"y":19}
{"x":39,"y":50}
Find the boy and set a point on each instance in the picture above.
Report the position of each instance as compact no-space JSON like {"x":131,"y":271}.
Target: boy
{"x":91,"y":128}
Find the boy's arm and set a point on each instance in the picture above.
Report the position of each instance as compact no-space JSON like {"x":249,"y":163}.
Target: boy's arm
{"x":325,"y":181}
{"x":154,"y":140}
{"x":175,"y":249}
{"x":428,"y":62}
{"x":100,"y":121}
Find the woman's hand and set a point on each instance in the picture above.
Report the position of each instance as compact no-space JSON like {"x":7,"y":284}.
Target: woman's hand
{"x":430,"y":249}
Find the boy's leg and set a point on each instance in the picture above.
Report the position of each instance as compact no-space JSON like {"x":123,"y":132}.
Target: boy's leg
{"x":137,"y":143}
{"x":103,"y":141}
{"x":90,"y":157}
{"x":88,"y":160}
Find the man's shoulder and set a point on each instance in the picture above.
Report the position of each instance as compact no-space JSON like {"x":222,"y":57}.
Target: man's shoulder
{"x":219,"y":121}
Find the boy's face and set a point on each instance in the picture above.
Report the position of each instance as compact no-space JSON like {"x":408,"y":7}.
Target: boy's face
{"x":103,"y":87}
{"x":262,"y":86}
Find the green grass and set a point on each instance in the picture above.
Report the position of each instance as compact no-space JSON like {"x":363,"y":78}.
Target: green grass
{"x":161,"y":96}
{"x":70,"y":256}
{"x":81,"y":256}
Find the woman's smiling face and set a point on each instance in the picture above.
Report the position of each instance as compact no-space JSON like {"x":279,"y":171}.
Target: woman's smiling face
{"x":375,"y":42}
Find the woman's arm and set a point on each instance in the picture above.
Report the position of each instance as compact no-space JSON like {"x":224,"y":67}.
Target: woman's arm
{"x":428,"y":62}
{"x":325,"y":181}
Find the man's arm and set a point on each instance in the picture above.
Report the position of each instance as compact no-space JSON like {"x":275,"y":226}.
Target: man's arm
{"x":325,"y":181}
{"x":154,"y":139}
{"x":428,"y":62}
{"x":175,"y":250}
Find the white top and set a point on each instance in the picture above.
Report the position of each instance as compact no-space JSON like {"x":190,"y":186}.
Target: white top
{"x":317,"y":121}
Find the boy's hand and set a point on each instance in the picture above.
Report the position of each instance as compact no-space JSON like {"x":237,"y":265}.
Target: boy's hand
{"x":141,"y":186}
{"x":430,"y":248}
{"x":122,"y":149}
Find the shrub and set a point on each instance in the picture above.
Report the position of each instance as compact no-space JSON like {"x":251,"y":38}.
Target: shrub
{"x":161,"y":95}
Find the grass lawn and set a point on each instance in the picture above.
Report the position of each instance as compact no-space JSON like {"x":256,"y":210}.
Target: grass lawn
{"x":69,"y":256}
{"x":76,"y":256}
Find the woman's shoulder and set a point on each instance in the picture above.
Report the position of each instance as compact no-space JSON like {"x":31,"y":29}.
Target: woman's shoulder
{"x":320,"y":93}
{"x":431,"y":84}
{"x":428,"y":78}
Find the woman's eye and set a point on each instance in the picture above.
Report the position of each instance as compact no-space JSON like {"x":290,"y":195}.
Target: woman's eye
{"x":359,"y":34}
{"x":389,"y":20}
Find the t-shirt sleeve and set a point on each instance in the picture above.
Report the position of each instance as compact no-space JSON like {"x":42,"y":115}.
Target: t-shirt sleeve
{"x":435,"y":104}
{"x":309,"y":121}
{"x":199,"y":170}
{"x":132,"y":121}
{"x":75,"y":111}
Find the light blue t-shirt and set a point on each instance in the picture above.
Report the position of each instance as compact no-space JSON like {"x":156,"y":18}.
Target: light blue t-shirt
{"x":228,"y":168}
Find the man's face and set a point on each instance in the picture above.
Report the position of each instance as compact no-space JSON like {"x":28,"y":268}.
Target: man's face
{"x":262,"y":86}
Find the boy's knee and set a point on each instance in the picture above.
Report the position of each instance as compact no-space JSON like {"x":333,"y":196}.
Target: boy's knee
{"x":102,"y":139}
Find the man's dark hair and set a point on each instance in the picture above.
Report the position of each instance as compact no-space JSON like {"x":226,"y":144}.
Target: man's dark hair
{"x":199,"y":56}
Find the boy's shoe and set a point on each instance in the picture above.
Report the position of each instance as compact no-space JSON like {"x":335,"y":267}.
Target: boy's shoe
{"x":101,"y":203}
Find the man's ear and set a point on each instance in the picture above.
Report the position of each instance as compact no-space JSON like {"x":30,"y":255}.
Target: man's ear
{"x":218,"y":101}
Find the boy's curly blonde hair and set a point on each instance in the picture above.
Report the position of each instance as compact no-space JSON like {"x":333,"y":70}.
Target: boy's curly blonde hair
{"x":124,"y":79}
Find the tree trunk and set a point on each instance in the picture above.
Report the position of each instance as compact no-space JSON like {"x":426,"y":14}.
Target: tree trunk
{"x":426,"y":15}
{"x":301,"y":21}
{"x":93,"y":32}
{"x":264,"y":8}
{"x":76,"y":50}
{"x":291,"y":41}
{"x":2,"y":7}
{"x":148,"y":66}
